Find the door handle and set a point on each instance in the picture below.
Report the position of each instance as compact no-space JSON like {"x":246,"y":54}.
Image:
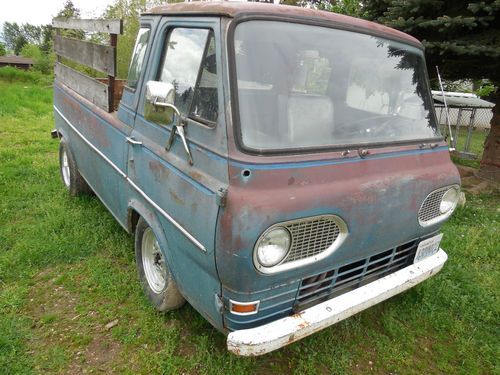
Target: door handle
{"x":132,"y":141}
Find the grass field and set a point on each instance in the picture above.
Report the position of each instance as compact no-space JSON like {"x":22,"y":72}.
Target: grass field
{"x":476,"y":146}
{"x":67,"y":269}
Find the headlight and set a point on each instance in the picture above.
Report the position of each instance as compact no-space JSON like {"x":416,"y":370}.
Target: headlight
{"x":449,"y":200}
{"x":273,"y":247}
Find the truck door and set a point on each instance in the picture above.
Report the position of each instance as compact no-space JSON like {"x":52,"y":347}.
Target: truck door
{"x":183,"y":196}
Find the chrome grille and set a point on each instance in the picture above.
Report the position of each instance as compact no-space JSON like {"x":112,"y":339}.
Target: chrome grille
{"x":326,"y":285}
{"x":311,"y":237}
{"x":430,"y":212}
{"x":430,"y":208}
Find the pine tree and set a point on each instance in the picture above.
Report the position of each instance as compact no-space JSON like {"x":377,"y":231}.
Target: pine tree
{"x":462,"y":38}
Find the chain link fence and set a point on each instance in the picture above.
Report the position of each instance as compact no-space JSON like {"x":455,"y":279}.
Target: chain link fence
{"x":469,"y":118}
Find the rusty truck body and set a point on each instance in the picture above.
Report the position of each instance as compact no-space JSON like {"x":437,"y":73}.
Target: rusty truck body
{"x":281,"y":168}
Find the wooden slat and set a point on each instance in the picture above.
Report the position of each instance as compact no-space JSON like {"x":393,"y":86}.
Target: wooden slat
{"x":113,"y":26}
{"x":97,"y":56}
{"x":87,"y":87}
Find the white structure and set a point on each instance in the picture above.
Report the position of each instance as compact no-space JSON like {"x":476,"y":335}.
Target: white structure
{"x":462,"y":106}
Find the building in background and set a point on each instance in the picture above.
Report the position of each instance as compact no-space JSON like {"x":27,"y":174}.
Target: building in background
{"x":464,"y":109}
{"x":16,"y":61}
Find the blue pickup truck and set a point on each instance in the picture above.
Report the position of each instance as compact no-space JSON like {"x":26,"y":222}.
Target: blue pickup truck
{"x":281,"y":168}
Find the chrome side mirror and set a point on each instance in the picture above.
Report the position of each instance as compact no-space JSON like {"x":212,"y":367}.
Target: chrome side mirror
{"x":158,"y":95}
{"x":159,"y":108}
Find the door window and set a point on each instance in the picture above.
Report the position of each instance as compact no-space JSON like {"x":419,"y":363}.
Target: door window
{"x":138,"y":58}
{"x":189,"y":64}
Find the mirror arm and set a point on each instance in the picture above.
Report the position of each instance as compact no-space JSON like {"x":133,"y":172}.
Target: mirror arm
{"x":156,"y":103}
{"x":179,"y":128}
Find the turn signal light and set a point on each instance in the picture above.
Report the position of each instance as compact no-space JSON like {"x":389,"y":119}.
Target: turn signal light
{"x":244,"y":308}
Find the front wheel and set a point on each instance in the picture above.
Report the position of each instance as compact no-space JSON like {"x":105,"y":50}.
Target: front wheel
{"x":154,"y":274}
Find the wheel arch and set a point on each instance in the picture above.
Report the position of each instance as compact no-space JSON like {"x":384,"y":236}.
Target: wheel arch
{"x":135,"y":211}
{"x":132,"y":218}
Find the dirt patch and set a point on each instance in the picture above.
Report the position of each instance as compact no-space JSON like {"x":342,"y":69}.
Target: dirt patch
{"x":62,"y":324}
{"x":368,"y":365}
{"x":100,"y":354}
{"x":423,"y":355}
{"x":472,"y":183}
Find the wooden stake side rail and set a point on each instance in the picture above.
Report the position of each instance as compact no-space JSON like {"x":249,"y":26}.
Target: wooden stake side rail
{"x":96,"y":56}
{"x":90,"y":88}
{"x":113,"y":26}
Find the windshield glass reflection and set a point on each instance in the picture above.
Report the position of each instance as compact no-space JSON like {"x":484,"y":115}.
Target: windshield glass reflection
{"x":309,"y":86}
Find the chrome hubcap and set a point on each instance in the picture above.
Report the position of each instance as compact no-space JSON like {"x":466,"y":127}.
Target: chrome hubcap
{"x":153,"y":262}
{"x":65,"y":168}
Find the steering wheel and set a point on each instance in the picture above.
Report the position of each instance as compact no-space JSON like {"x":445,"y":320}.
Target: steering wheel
{"x":389,"y":127}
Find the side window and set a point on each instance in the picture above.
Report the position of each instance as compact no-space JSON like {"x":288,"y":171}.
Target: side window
{"x":135,"y":69}
{"x":189,"y":64}
{"x":205,"y":102}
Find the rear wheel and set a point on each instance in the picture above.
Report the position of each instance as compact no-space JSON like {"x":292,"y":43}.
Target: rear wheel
{"x":71,"y":177}
{"x":154,"y":273}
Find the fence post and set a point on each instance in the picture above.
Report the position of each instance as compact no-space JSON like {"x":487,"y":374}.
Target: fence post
{"x":113,"y":41}
{"x":469,"y":129}
{"x":457,"y":127}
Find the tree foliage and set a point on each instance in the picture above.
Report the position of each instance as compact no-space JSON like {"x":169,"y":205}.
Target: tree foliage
{"x":13,"y":37}
{"x":3,"y":51}
{"x":69,"y":10}
{"x":35,"y":41}
{"x":129,"y":11}
{"x":43,"y":61}
{"x":31,"y":50}
{"x":348,"y":7}
{"x":462,"y":37}
{"x":17,"y":36}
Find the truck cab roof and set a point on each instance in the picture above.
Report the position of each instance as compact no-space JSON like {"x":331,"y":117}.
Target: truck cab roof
{"x":292,"y":13}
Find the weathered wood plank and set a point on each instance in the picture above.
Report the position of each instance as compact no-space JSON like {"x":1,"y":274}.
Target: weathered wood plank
{"x":113,"y":26}
{"x":89,"y":88}
{"x":97,"y":56}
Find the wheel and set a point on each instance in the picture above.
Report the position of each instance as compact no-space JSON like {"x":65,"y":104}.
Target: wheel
{"x":154,"y":273}
{"x":70,"y":175}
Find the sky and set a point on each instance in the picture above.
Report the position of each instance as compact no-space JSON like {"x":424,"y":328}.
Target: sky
{"x":39,"y":12}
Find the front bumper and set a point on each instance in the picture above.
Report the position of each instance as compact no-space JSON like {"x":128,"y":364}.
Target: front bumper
{"x":274,"y":335}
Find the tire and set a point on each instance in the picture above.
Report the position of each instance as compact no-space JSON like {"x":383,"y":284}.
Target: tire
{"x":70,"y":176}
{"x":154,"y":273}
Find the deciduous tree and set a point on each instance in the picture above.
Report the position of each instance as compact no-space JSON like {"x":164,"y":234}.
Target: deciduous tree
{"x":14,"y":37}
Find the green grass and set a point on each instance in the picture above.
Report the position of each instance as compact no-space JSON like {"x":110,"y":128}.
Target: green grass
{"x":67,"y":269}
{"x":10,"y":74}
{"x":476,"y":146}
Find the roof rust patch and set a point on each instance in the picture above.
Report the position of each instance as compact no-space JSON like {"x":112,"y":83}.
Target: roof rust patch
{"x":234,"y":9}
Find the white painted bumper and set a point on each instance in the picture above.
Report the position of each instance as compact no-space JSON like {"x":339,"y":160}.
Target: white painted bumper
{"x":274,"y":335}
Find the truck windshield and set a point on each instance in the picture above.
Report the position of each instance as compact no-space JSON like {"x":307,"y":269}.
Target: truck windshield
{"x":303,"y":86}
